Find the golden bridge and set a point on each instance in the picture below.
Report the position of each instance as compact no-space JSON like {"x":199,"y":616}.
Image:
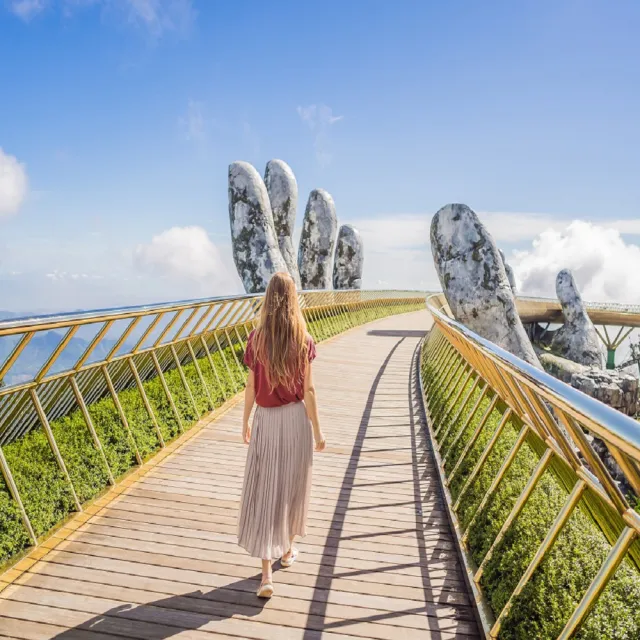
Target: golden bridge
{"x":458,"y":497}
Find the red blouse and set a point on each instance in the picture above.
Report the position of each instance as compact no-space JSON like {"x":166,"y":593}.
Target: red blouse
{"x":280,"y":395}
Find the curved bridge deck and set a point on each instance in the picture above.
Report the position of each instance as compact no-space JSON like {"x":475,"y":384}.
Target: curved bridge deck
{"x":379,"y":561}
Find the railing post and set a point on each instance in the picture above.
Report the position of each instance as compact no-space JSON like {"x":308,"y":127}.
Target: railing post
{"x":541,"y":467}
{"x":558,"y":524}
{"x":472,"y":440}
{"x":120,"y":410}
{"x":167,"y":391}
{"x":506,"y":416}
{"x":185,"y":383}
{"x":612,"y":562}
{"x":200,"y":376}
{"x":506,"y":464}
{"x":15,"y":494}
{"x":44,"y":421}
{"x":145,"y":400}
{"x":92,"y":430}
{"x":232,"y":379}
{"x":213,"y":367}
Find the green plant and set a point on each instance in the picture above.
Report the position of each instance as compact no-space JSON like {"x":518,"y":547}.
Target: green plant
{"x":140,"y":422}
{"x":556,"y":587}
{"x":13,"y":535}
{"x":113,"y":436}
{"x":45,"y":493}
{"x":81,"y":457}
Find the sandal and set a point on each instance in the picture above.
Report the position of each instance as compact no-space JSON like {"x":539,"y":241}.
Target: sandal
{"x":292,"y":558}
{"x":265,"y":590}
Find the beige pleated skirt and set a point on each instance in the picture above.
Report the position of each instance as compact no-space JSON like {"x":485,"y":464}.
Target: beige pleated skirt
{"x":277,"y":481}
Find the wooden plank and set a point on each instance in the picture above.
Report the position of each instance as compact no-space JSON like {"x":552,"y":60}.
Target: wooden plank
{"x":161,"y":559}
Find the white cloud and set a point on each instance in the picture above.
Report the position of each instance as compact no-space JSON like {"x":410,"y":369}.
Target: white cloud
{"x":397,"y":251}
{"x":182,"y":253}
{"x":159,"y":16}
{"x":27,"y":9}
{"x":605,"y":266}
{"x":193,"y":124}
{"x":155,"y":17}
{"x":515,"y":227}
{"x":319,"y":118}
{"x":13,"y":184}
{"x":98,"y":272}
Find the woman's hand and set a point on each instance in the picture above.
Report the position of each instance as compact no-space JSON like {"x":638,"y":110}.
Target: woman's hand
{"x":320,"y":442}
{"x":246,"y":433}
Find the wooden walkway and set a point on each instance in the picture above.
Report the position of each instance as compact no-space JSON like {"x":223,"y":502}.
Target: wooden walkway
{"x":160,"y":561}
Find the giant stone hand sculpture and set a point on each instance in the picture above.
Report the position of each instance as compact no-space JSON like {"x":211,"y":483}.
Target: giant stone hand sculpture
{"x":509,"y":271}
{"x":577,"y":339}
{"x":349,"y":259}
{"x":475,"y":282}
{"x":262,"y":217}
{"x":317,"y":241}
{"x":283,"y":194}
{"x":255,"y":247}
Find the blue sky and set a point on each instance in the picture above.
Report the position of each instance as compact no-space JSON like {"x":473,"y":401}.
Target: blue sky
{"x":123,"y":115}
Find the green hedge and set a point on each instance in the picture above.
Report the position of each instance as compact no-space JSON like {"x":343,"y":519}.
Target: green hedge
{"x":42,"y":486}
{"x":13,"y":535}
{"x":544,"y":606}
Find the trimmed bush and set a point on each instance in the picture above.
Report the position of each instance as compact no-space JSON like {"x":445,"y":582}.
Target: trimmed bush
{"x":44,"y":491}
{"x":83,"y":461}
{"x":113,"y":436}
{"x":140,"y":423}
{"x":13,"y":536}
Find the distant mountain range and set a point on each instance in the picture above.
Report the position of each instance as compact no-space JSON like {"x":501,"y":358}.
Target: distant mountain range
{"x":41,"y":347}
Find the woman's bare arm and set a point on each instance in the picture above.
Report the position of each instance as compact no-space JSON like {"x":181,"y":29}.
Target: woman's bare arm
{"x":310,"y":402}
{"x":249,"y":399}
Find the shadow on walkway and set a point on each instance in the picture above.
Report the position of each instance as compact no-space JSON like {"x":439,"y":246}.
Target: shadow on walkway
{"x":420,"y":451}
{"x":170,"y":616}
{"x":396,"y":333}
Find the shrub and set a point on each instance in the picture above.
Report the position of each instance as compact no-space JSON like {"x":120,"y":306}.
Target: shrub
{"x":557,"y":586}
{"x":43,"y":488}
{"x":83,"y":461}
{"x":13,"y":535}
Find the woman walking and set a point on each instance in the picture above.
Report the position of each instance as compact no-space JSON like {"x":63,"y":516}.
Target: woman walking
{"x":277,"y":476}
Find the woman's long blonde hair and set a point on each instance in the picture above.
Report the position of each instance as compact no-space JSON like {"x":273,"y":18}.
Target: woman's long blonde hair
{"x":280,"y":340}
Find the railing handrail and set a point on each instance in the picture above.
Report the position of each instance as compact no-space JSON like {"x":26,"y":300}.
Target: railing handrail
{"x":605,"y":422}
{"x":612,"y":306}
{"x":71,"y":318}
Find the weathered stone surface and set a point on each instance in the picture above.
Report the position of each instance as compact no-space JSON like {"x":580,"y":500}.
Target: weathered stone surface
{"x":577,"y":339}
{"x":474,"y":280}
{"x":317,"y":241}
{"x":283,"y":195}
{"x":255,"y":247}
{"x":510,"y":275}
{"x":614,"y":388}
{"x":558,"y":367}
{"x":349,"y":259}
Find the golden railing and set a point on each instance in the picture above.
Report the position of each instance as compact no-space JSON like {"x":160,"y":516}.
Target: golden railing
{"x":472,"y":391}
{"x":124,"y":349}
